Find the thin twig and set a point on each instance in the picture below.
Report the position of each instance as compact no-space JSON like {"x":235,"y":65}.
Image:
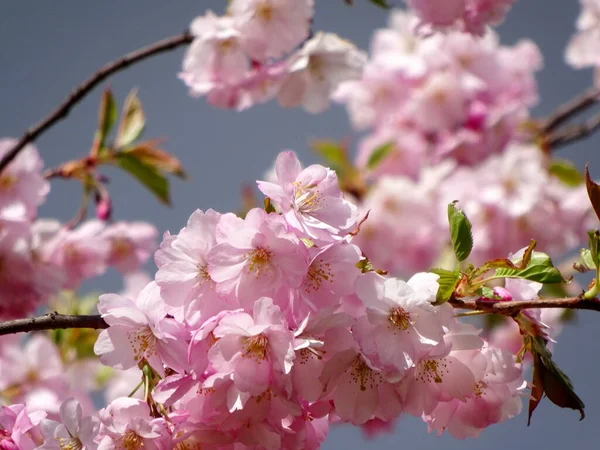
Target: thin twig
{"x":572,"y":133}
{"x":84,"y":88}
{"x":52,"y":321}
{"x":573,"y":107}
{"x":512,"y":307}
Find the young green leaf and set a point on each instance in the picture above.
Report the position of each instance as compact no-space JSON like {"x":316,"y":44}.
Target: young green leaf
{"x":379,"y":154}
{"x":566,"y":172}
{"x":586,"y":262}
{"x":460,"y":232}
{"x":107,"y":116}
{"x":133,"y":121}
{"x":448,"y":280}
{"x":334,"y":155}
{"x":539,"y":268}
{"x":156,"y":182}
{"x":381,"y":3}
{"x":593,"y":190}
{"x":594,"y":245}
{"x":156,"y":158}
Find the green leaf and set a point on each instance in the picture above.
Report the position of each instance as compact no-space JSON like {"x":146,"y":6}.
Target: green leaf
{"x":334,"y":155}
{"x":381,"y":3}
{"x":448,"y":280}
{"x":132,"y":122}
{"x":586,"y":261}
{"x":593,"y":190}
{"x":594,"y":245}
{"x":566,"y":172}
{"x":539,"y":268}
{"x":107,"y":116}
{"x":460,"y":232}
{"x":552,"y":381}
{"x":158,"y":159}
{"x":155,"y":181}
{"x":379,"y":154}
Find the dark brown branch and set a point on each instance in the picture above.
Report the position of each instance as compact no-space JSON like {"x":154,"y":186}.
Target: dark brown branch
{"x":52,"y":321}
{"x":572,"y":133}
{"x":84,"y":88}
{"x":512,"y":307}
{"x":570,"y":109}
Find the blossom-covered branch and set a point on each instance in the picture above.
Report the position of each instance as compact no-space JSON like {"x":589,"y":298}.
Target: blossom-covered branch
{"x":511,"y":307}
{"x":52,"y":321}
{"x":83,"y":89}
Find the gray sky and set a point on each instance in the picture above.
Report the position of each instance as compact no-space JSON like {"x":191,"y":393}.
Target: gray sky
{"x":47,"y":47}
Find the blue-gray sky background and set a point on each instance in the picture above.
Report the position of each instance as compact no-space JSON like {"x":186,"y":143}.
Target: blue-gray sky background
{"x":47,"y":47}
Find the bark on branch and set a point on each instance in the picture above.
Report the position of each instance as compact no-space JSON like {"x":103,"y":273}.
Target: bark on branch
{"x":84,"y":88}
{"x":52,"y":321}
{"x":55,"y":321}
{"x":512,"y":307}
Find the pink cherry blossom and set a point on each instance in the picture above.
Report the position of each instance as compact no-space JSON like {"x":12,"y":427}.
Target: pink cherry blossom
{"x":216,"y":57}
{"x":271,"y":28}
{"x":22,"y":186}
{"x":253,"y":348}
{"x":126,"y":423}
{"x":256,"y":256}
{"x":73,"y":431}
{"x":582,"y":50}
{"x":401,"y":326}
{"x":140,"y":331}
{"x":131,"y":244}
{"x":317,"y":69}
{"x":310,"y":199}
{"x":18,"y":429}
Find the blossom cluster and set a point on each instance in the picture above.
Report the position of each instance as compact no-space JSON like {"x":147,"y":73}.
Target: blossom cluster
{"x":448,"y":114}
{"x":261,"y":331}
{"x":471,"y":16}
{"x":265,"y":49}
{"x":582,"y":50}
{"x":40,"y":257}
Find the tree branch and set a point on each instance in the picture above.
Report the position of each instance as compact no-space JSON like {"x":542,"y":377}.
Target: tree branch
{"x":84,"y":88}
{"x":573,"y":107}
{"x":511,"y":307}
{"x":52,"y":321}
{"x":572,"y":133}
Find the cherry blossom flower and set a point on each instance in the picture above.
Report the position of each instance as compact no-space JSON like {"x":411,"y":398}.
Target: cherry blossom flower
{"x":271,"y":28}
{"x":140,"y":331}
{"x":22,"y":186}
{"x":253,"y":348}
{"x":317,"y":69}
{"x":255,"y":257}
{"x":310,"y":199}
{"x":582,"y":50}
{"x":72,"y":432}
{"x":18,"y":428}
{"x":131,"y":244}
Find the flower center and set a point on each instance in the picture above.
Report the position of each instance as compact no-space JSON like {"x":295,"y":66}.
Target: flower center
{"x":131,"y":441}
{"x":143,"y":342}
{"x":203,"y":273}
{"x":121,"y":248}
{"x":70,"y":444}
{"x":306,"y":200}
{"x":264,"y":12}
{"x":255,"y":347}
{"x":400,"y":318}
{"x":363,"y":375}
{"x":318,"y":272}
{"x":7,"y":181}
{"x":480,"y":388}
{"x":259,"y":261}
{"x":431,"y":370}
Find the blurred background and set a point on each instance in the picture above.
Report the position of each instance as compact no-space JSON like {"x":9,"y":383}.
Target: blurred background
{"x":47,"y":48}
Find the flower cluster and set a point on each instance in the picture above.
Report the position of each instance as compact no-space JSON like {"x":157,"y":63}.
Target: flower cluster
{"x":470,"y":16}
{"x":39,"y":257}
{"x":451,"y":96}
{"x":260,"y":331}
{"x":582,"y":50}
{"x":450,"y":127}
{"x":264,"y":49}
